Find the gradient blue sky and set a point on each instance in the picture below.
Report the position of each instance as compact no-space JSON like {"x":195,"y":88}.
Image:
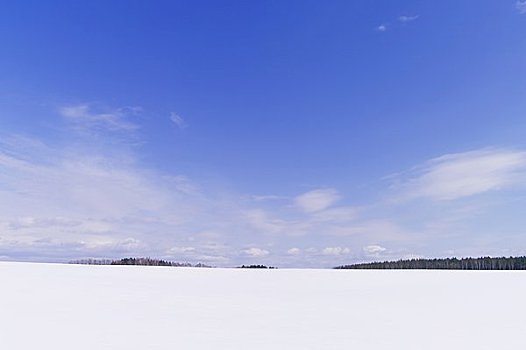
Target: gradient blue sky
{"x":292,"y":133}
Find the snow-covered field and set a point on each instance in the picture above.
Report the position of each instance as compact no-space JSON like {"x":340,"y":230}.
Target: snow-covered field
{"x":66,"y":307}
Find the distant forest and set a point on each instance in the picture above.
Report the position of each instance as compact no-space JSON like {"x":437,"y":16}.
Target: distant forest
{"x":484,"y":263}
{"x":135,"y":261}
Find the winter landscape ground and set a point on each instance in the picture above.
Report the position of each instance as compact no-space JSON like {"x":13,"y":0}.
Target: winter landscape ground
{"x":59,"y":307}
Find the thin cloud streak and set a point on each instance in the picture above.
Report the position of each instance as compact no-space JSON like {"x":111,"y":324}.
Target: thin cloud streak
{"x":83,"y":117}
{"x":406,"y":19}
{"x":178,"y":121}
{"x":465,"y":174}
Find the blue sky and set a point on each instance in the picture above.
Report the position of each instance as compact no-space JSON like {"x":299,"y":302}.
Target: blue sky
{"x":293,"y":133}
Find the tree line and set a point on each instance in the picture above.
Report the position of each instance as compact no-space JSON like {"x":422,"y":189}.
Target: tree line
{"x":136,"y":261}
{"x":482,"y":263}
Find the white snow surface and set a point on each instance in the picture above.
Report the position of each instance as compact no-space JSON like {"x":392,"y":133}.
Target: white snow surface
{"x":54,"y":306}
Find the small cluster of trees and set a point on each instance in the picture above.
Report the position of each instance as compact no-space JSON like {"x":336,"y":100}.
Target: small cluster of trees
{"x":256,"y":267}
{"x":483,"y":263}
{"x":136,"y":261}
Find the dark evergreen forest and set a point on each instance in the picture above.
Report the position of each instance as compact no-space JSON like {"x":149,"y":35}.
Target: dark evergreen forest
{"x":483,"y":263}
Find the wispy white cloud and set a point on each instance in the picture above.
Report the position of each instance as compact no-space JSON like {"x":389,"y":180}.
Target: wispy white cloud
{"x":256,"y":252}
{"x":335,"y":251}
{"x":402,"y":19}
{"x":85,"y":117}
{"x":181,"y":250}
{"x":178,"y":121}
{"x":521,"y":6}
{"x":461,"y":175}
{"x":373,"y":249}
{"x":381,"y":28}
{"x":317,"y":200}
{"x":405,"y":19}
{"x":294,"y":251}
